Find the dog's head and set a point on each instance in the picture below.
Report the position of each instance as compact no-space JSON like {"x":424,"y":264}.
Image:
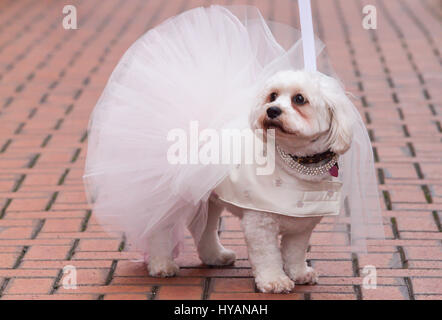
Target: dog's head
{"x":309,"y":111}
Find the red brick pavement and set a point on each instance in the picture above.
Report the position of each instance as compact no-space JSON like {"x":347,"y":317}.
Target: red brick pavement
{"x":50,"y":79}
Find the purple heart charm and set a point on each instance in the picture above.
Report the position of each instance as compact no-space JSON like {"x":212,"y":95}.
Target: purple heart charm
{"x":334,"y":171}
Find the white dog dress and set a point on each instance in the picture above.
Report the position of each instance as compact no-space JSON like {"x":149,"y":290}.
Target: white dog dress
{"x":206,"y":64}
{"x":279,"y":192}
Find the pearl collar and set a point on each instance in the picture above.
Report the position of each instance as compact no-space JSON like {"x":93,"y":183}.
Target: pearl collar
{"x":298,"y":165}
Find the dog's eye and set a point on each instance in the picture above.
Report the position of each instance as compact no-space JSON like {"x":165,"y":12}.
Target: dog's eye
{"x":273,"y":96}
{"x":299,"y":99}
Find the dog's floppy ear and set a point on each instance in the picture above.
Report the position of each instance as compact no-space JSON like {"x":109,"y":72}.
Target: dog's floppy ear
{"x":341,"y":117}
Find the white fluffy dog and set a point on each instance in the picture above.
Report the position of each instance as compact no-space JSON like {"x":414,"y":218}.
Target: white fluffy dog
{"x":310,"y":113}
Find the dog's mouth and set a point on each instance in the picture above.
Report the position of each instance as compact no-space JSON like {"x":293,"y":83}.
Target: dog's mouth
{"x":277,"y":125}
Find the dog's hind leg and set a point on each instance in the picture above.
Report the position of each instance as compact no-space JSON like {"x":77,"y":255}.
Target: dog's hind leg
{"x":161,"y":263}
{"x":210,"y":249}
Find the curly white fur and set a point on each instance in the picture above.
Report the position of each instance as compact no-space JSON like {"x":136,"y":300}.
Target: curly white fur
{"x":322,"y":123}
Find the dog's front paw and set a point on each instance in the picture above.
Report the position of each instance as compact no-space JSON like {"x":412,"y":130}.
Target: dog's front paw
{"x":162,"y":267}
{"x":274,"y":284}
{"x":305,"y":276}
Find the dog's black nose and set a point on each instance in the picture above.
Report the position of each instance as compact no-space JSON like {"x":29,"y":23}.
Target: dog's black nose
{"x":273,"y":112}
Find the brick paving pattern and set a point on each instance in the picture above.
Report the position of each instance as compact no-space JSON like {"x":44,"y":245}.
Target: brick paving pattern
{"x":51,"y":78}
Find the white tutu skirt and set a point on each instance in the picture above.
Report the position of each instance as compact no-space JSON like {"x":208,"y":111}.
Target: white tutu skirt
{"x":204,"y":65}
